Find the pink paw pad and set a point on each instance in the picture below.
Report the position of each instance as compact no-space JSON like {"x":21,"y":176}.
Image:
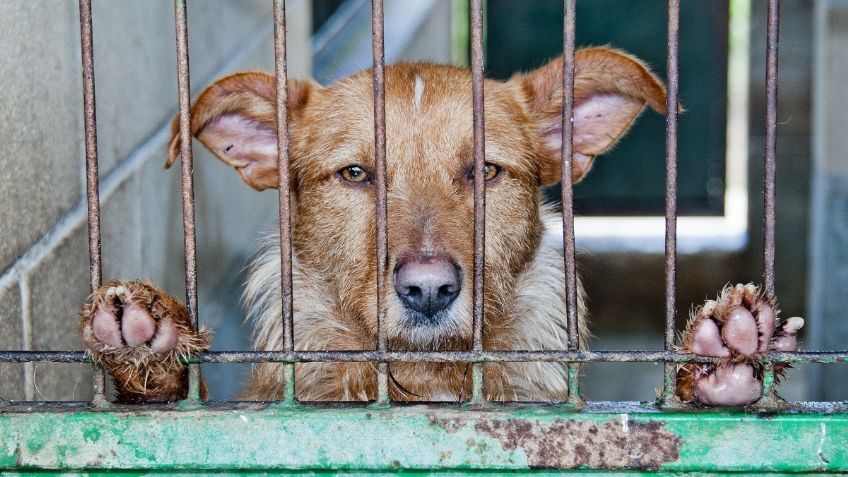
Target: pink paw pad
{"x":121,"y":320}
{"x":730,"y":385}
{"x":736,"y":329}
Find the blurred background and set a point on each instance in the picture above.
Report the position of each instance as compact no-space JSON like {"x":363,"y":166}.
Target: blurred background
{"x":43,"y":238}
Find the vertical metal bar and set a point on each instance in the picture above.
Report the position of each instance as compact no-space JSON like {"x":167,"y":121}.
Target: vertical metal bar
{"x":567,"y":151}
{"x":671,"y":192}
{"x":381,"y":213}
{"x":189,"y":239}
{"x":770,"y":151}
{"x":477,"y":67}
{"x":92,"y":175}
{"x":566,"y":176}
{"x":770,"y":400}
{"x":281,"y":75}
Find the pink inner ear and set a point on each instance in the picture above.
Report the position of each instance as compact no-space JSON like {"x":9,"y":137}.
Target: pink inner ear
{"x":247,"y":145}
{"x":601,"y":120}
{"x":238,"y":141}
{"x":580,"y":162}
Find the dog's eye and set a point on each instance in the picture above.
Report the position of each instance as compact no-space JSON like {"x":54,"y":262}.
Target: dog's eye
{"x":490,"y":171}
{"x":354,"y":174}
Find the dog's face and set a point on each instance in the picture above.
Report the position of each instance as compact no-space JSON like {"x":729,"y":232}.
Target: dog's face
{"x":429,"y":150}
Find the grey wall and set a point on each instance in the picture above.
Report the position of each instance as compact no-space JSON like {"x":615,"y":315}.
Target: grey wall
{"x":828,"y":266}
{"x":43,"y":246}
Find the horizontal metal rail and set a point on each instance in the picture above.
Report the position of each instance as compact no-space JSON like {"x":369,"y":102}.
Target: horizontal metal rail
{"x":504,"y":437}
{"x":827,"y":357}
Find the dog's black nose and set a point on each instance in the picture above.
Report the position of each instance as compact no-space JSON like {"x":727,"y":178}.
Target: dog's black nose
{"x":427,"y":285}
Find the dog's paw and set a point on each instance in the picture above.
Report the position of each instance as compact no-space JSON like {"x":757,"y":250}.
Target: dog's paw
{"x":141,"y":335}
{"x":736,"y":329}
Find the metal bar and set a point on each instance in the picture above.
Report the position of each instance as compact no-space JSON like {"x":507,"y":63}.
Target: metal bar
{"x":610,"y":438}
{"x":671,"y":192}
{"x":770,"y":399}
{"x":281,"y":75}
{"x":378,"y":54}
{"x":92,"y":174}
{"x":477,"y":68}
{"x":591,"y":408}
{"x":824,"y":357}
{"x":770,"y":151}
{"x":567,"y":151}
{"x":566,"y":176}
{"x":189,"y":239}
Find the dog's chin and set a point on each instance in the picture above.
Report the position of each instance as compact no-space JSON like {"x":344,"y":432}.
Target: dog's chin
{"x":443,"y":331}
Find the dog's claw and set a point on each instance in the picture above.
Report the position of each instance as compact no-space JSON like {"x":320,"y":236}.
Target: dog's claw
{"x":123,"y":293}
{"x":736,"y":329}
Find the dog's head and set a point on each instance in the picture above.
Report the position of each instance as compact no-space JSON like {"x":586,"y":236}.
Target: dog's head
{"x":429,"y":176}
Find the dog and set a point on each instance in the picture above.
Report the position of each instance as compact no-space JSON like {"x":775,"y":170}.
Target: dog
{"x":140,"y":333}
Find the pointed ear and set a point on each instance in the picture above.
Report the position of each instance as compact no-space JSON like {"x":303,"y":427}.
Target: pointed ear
{"x":610,"y":90}
{"x":235,"y":118}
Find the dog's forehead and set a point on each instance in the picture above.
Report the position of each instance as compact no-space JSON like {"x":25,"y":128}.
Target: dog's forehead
{"x":428,"y":113}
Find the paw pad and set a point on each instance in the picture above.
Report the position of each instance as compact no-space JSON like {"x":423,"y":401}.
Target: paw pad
{"x":132,"y":321}
{"x":736,"y":329}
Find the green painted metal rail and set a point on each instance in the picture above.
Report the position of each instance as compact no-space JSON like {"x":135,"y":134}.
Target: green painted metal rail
{"x":269,"y":438}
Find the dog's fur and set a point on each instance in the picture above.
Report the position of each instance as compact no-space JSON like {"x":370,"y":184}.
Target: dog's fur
{"x":430,"y":213}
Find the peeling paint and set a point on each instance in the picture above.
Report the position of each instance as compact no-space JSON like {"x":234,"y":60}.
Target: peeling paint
{"x":820,"y":452}
{"x":570,"y":444}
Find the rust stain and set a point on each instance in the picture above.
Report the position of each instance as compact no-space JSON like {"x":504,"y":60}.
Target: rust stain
{"x":568,"y":444}
{"x":449,"y":424}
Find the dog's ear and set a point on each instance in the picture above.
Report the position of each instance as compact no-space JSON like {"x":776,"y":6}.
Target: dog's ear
{"x":235,"y":118}
{"x":610,"y":90}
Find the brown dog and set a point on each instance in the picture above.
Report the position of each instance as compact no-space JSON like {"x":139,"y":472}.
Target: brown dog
{"x":139,"y":333}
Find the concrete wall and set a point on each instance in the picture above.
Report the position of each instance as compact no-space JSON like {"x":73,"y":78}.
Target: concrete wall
{"x":828,"y":266}
{"x":43,"y":238}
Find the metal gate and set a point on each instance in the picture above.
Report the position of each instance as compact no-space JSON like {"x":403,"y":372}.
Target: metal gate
{"x":288,"y":435}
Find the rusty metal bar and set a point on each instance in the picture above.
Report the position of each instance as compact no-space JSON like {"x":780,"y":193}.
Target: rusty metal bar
{"x":281,"y":75}
{"x":770,"y":151}
{"x":566,"y":180}
{"x":566,"y":176}
{"x":823,"y":357}
{"x":377,"y":48}
{"x":671,"y":192}
{"x":92,"y":174}
{"x":477,"y":68}
{"x":189,"y":238}
{"x":770,"y":398}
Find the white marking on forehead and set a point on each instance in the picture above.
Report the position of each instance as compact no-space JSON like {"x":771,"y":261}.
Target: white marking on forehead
{"x":418,"y":91}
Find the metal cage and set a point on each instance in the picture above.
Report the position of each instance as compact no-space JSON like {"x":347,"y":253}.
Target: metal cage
{"x":193,"y":435}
